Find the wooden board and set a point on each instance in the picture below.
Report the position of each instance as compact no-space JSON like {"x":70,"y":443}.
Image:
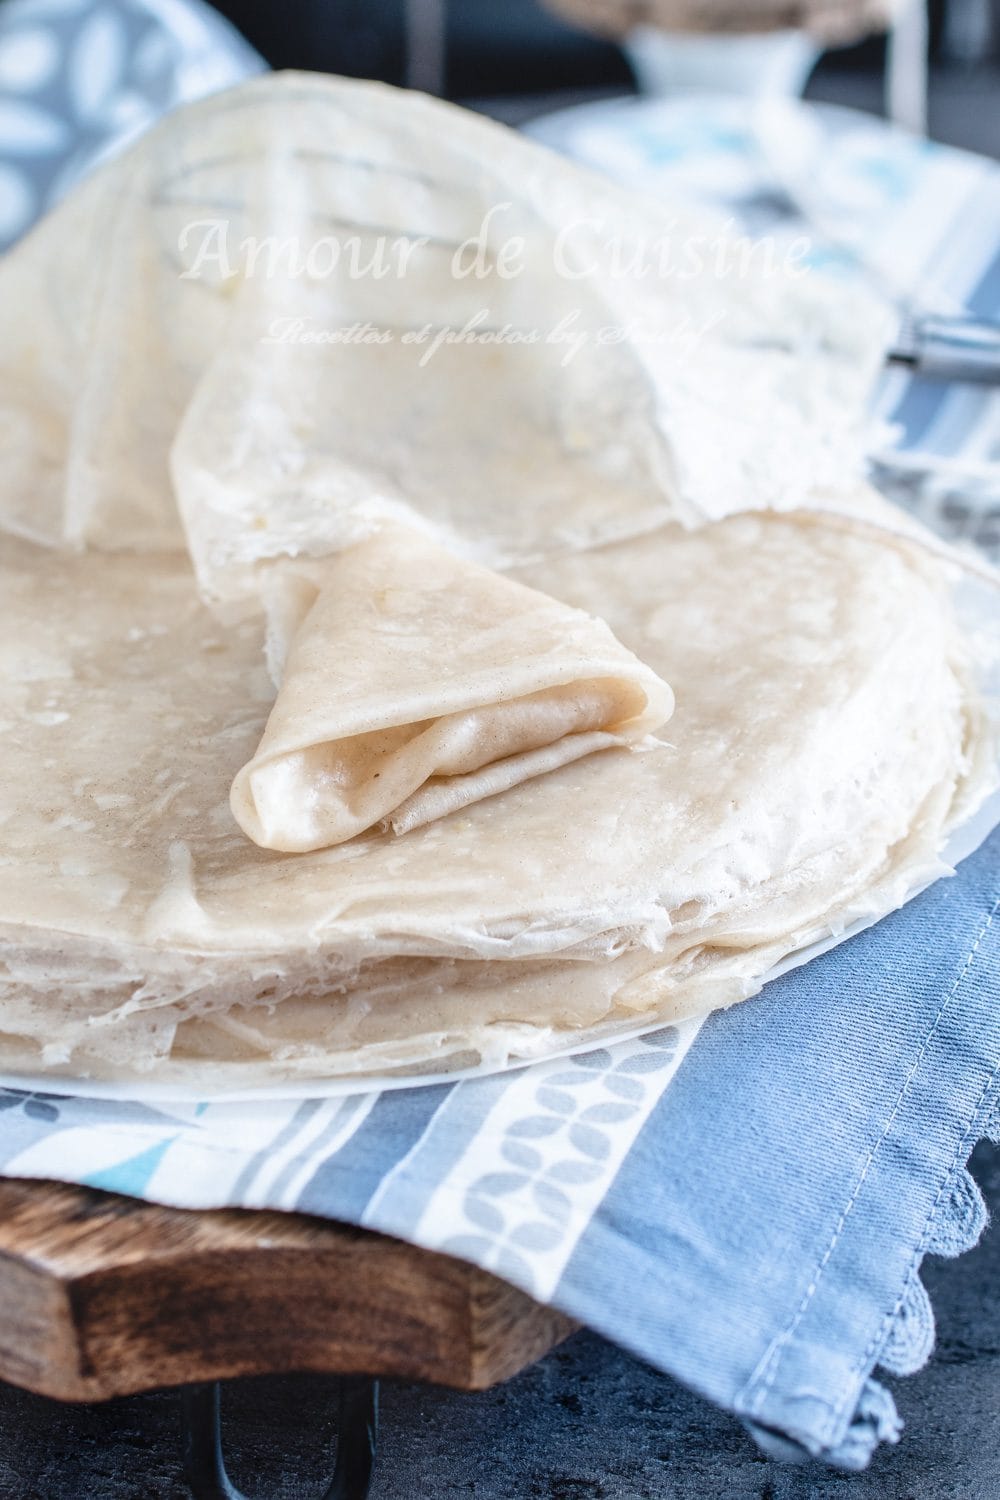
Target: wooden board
{"x":103,"y":1296}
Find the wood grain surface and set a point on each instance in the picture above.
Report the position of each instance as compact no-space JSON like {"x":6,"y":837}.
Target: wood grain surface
{"x":104,"y":1296}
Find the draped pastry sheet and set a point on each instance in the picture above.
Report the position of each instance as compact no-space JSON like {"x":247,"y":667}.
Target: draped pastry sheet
{"x":178,"y":368}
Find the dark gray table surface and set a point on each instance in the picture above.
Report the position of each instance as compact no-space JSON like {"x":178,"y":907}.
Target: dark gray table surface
{"x":587,"y":1423}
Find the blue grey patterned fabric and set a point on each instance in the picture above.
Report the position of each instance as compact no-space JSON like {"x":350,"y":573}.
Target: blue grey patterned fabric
{"x":79,"y":79}
{"x":743,"y":1203}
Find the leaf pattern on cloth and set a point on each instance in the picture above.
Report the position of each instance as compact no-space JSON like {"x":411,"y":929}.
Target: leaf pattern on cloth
{"x":523,"y":1214}
{"x":42,"y":1132}
{"x":36,"y":1106}
{"x":77,"y":82}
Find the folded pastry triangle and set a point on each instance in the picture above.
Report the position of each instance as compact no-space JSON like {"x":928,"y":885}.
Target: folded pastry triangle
{"x":419,"y":683}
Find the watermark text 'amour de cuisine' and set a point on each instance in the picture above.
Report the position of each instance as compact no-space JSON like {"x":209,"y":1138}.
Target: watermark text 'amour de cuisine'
{"x":581,"y":250}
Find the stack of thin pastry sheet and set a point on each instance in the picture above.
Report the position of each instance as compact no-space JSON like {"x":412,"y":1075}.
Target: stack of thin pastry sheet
{"x":823,"y":741}
{"x":295,"y":781}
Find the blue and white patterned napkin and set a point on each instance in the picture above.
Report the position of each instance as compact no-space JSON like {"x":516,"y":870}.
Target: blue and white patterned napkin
{"x":743,"y":1203}
{"x":79,"y":80}
{"x":920,"y":222}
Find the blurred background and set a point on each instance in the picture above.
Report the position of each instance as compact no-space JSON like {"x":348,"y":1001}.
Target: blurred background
{"x":518,"y":58}
{"x":81,"y":78}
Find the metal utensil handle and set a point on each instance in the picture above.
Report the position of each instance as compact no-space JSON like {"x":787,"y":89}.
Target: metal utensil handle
{"x":958,"y":348}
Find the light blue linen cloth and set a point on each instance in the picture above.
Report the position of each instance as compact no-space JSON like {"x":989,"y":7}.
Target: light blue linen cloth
{"x":745,"y":1203}
{"x":763,"y":1239}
